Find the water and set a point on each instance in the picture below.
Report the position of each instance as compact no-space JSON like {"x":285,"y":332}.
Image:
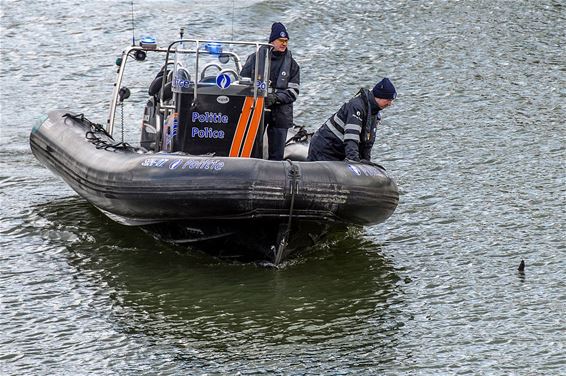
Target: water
{"x":475,"y":141}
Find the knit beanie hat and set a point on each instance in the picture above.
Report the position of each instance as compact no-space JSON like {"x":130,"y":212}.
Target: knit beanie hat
{"x":384,"y":89}
{"x":278,"y":31}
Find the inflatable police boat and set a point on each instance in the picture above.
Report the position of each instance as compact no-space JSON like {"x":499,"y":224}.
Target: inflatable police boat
{"x":199,"y":176}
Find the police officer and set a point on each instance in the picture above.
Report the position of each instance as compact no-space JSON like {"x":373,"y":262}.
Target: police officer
{"x":283,"y":89}
{"x":350,"y":132}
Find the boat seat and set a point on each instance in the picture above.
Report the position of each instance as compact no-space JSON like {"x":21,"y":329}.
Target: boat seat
{"x":182,"y":74}
{"x":167,"y":92}
{"x":208,"y":80}
{"x":155,"y":86}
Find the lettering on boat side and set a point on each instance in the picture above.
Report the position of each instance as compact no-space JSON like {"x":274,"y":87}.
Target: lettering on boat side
{"x":209,"y":117}
{"x":261,"y":85}
{"x":203,"y":164}
{"x":366,"y":170}
{"x":174,"y":164}
{"x":181,"y":83}
{"x":207,"y":132}
{"x":154,"y":162}
{"x":191,"y":164}
{"x":355,"y":169}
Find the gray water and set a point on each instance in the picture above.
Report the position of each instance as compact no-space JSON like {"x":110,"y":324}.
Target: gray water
{"x":475,"y":141}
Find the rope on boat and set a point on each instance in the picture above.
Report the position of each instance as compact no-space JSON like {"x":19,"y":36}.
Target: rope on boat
{"x":122,"y":117}
{"x":300,"y":136}
{"x":294,"y":174}
{"x":93,"y":135}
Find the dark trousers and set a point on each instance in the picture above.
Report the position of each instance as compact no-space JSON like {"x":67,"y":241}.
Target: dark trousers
{"x":276,"y":138}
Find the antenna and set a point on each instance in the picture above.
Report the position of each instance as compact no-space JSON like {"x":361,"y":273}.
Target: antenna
{"x":232,"y":19}
{"x":133,"y":26}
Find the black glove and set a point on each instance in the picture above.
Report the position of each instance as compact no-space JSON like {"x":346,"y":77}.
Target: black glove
{"x":351,"y":160}
{"x":270,"y":100}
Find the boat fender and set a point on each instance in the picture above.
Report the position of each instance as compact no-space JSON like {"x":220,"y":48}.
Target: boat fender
{"x":124,"y":93}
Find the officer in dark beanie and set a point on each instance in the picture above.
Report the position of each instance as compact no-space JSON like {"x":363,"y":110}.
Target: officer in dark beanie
{"x":283,"y":89}
{"x":350,"y":132}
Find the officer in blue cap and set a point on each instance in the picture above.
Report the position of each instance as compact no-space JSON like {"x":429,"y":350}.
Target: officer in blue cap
{"x":350,"y":132}
{"x":283,"y":89}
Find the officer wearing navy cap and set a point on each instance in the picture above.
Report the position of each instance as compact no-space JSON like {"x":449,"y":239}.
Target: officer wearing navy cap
{"x":284,"y":85}
{"x":350,"y":132}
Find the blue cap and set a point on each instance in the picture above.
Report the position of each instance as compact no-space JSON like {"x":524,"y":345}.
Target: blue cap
{"x":384,"y":89}
{"x":278,"y":31}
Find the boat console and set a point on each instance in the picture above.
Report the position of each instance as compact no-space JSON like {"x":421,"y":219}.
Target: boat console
{"x":199,"y":104}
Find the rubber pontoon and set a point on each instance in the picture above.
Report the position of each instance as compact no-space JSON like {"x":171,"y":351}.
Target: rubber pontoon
{"x":227,"y":205}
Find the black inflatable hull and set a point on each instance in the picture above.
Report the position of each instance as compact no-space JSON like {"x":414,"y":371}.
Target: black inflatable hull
{"x":212,"y":202}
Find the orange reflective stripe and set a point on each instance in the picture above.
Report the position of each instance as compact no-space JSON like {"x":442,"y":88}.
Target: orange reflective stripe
{"x":241,"y":127}
{"x":254,"y":126}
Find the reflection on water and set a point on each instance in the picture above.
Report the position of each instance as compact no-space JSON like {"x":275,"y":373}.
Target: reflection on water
{"x":340,"y":290}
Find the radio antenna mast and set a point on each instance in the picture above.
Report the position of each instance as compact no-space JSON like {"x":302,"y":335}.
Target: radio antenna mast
{"x":232,"y":19}
{"x":133,"y":26}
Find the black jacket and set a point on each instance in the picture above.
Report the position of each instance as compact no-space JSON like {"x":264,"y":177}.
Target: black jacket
{"x":285,"y":80}
{"x":350,"y":132}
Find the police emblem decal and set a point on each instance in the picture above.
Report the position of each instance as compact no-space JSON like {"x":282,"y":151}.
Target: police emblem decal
{"x":223,"y":81}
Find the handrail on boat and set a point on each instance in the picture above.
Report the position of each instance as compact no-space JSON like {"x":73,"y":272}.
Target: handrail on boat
{"x":168,"y":51}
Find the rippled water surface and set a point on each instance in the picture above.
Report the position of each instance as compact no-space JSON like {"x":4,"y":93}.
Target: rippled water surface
{"x":475,"y":141}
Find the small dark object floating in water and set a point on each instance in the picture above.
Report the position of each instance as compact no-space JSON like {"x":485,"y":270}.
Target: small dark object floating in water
{"x":521,"y":267}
